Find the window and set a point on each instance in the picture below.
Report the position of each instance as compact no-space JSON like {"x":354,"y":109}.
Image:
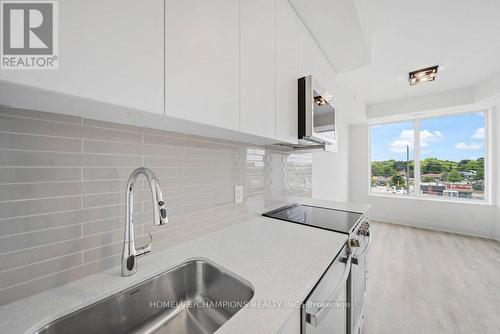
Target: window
{"x":440,"y":157}
{"x":392,"y":164}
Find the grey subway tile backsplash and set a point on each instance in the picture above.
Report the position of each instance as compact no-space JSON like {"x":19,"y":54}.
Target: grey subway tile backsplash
{"x":38,"y":206}
{"x":107,"y":160}
{"x":96,"y":200}
{"x":104,"y":173}
{"x":39,"y":159}
{"x":40,"y":253}
{"x":94,"y":146}
{"x":103,"y":186}
{"x":23,"y":191}
{"x":11,"y":277}
{"x":105,"y":225}
{"x":30,"y":287}
{"x":15,"y":141}
{"x":37,"y":238}
{"x":112,"y":135}
{"x":167,"y":150}
{"x":103,"y":212}
{"x":62,"y":192}
{"x":38,"y":174}
{"x":39,"y":127}
{"x":39,"y":222}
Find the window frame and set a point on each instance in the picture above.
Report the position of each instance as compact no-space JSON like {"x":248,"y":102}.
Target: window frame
{"x":416,"y":120}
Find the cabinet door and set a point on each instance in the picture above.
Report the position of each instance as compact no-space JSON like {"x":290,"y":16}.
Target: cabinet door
{"x":312,"y":61}
{"x":286,"y":71}
{"x":201,"y":61}
{"x":320,"y":66}
{"x":306,"y":51}
{"x":258,"y":67}
{"x":109,"y":51}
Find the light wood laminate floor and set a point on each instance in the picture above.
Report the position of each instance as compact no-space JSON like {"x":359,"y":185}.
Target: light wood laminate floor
{"x":423,"y":281}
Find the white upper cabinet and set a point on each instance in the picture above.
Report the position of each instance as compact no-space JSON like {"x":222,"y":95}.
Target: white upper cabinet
{"x":231,"y":66}
{"x":287,"y":54}
{"x":258,"y":67}
{"x":202,"y":61}
{"x":321,"y":66}
{"x":312,"y":61}
{"x":109,"y":51}
{"x":306,"y":53}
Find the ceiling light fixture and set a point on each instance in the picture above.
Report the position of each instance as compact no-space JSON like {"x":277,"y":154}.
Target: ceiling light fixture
{"x":423,"y":75}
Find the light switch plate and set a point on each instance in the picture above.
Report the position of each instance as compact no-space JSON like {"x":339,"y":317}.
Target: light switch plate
{"x":238,"y":194}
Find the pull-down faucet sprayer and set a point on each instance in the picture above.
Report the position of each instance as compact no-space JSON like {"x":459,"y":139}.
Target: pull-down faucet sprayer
{"x":130,"y":252}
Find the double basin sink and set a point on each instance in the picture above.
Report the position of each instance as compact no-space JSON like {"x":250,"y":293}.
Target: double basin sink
{"x":197,"y":296}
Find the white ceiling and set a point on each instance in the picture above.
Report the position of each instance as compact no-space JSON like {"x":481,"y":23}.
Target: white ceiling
{"x":462,"y":36}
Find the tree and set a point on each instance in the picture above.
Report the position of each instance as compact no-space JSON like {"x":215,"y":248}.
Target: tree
{"x":479,"y":175}
{"x":449,"y":165}
{"x":378,"y":168}
{"x":454,"y":176}
{"x":428,"y":179}
{"x":463,"y":165}
{"x":478,"y":186}
{"x":474,"y":167}
{"x":383,"y":168}
{"x":472,"y":170}
{"x":398,"y":181}
{"x":432,"y":165}
{"x":479,"y":170}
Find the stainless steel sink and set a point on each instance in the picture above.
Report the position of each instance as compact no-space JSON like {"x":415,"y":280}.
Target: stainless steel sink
{"x":195,"y":297}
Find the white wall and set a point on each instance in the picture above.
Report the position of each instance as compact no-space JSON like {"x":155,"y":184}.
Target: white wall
{"x":474,"y":219}
{"x":344,"y":175}
{"x":331,"y":169}
{"x":453,"y":98}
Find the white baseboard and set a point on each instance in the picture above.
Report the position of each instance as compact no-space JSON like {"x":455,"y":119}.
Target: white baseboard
{"x":434,"y":226}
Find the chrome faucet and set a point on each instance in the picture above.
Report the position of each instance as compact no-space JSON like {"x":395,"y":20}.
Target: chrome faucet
{"x":130,"y":252}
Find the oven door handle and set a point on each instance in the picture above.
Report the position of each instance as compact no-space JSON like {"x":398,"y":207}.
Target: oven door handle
{"x":314,"y":318}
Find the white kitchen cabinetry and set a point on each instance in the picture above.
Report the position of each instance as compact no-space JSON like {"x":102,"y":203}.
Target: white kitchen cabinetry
{"x":110,"y":51}
{"x":306,"y":46}
{"x":312,"y":61}
{"x":202,"y":61}
{"x":258,"y":67}
{"x":287,"y":54}
{"x":221,"y":68}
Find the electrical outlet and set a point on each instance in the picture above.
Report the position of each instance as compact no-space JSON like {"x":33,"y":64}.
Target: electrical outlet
{"x":238,"y":194}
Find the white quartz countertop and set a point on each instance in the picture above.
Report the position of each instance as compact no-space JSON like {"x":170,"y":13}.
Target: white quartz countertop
{"x":282,"y":261}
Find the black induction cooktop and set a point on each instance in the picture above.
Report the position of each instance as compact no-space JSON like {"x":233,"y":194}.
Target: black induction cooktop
{"x":324,"y":218}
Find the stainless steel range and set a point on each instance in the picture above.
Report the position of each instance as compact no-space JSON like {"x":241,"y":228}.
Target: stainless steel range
{"x":337,"y":302}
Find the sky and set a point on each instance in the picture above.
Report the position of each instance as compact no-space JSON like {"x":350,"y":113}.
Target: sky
{"x":454,"y":138}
